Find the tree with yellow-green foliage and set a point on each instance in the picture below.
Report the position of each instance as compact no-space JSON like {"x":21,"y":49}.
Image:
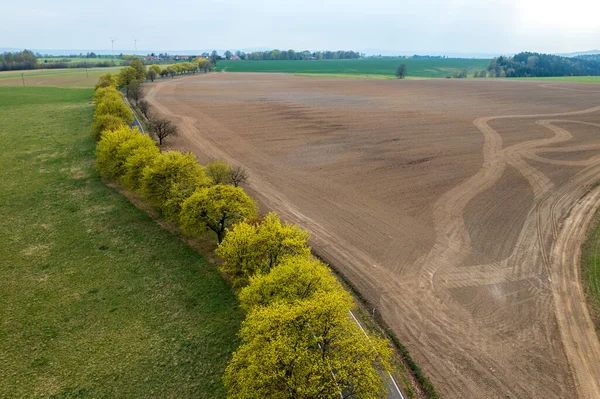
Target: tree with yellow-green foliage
{"x":106,"y":80}
{"x":250,"y":248}
{"x":140,"y":159}
{"x":106,"y":93}
{"x":116,"y":108}
{"x":219,"y":172}
{"x":171,"y":71}
{"x":116,"y":147}
{"x":172,"y":178}
{"x":307,"y":349}
{"x":203,"y":64}
{"x":111,"y":112}
{"x":126,"y":76}
{"x":156,"y":68}
{"x":295,"y":279}
{"x":151,"y":74}
{"x":215,"y":208}
{"x":106,"y":123}
{"x":140,"y":68}
{"x":185,"y":67}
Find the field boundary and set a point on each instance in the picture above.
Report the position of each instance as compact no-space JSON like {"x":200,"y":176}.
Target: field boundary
{"x":589,"y":251}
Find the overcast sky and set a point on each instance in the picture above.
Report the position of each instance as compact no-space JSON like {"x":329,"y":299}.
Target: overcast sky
{"x":422,"y":26}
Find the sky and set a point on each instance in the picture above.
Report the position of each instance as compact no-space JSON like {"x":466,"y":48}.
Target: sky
{"x":407,"y":26}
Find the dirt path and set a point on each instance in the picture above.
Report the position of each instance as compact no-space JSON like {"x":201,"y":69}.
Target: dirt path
{"x":453,"y":244}
{"x":516,"y":326}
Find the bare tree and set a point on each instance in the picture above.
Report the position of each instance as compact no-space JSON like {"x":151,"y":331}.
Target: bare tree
{"x":238,"y":175}
{"x":162,"y":128}
{"x":134,"y":91}
{"x":144,"y":107}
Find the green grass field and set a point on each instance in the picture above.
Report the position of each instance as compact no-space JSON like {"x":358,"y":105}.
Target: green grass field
{"x":369,"y":66}
{"x":66,"y":78}
{"x":590,"y":265}
{"x":96,"y":299}
{"x":75,"y":60}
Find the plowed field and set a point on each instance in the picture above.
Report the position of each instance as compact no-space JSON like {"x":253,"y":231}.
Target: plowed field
{"x":456,"y":206}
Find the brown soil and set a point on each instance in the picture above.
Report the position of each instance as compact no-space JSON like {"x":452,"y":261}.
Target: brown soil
{"x":443,"y":201}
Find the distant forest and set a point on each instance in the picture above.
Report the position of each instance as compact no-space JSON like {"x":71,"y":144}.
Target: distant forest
{"x":590,"y":57}
{"x":539,"y":65}
{"x":17,"y":61}
{"x":294,"y":55}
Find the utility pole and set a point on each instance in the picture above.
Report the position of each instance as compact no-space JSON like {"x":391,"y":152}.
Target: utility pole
{"x":135,"y":45}
{"x":23,"y":78}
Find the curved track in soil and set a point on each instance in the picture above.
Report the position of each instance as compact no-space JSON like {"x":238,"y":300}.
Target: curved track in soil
{"x":516,"y":326}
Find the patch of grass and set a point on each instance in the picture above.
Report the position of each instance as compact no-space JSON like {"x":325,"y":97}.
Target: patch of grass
{"x":590,"y":269}
{"x":96,"y":299}
{"x":438,"y":68}
{"x":75,"y":60}
{"x":67,"y":78}
{"x":346,"y":76}
{"x":580,"y":79}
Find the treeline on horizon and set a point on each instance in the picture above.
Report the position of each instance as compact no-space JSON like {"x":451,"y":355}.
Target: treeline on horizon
{"x":18,"y":61}
{"x":294,"y":55}
{"x":527,"y":64}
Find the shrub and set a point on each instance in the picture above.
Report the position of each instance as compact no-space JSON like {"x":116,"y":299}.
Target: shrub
{"x":215,"y":208}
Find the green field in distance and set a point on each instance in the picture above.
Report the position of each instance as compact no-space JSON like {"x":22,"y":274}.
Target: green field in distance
{"x":431,"y":68}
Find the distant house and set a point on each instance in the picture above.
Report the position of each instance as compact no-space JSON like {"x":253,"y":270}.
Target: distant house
{"x":181,"y":57}
{"x":235,"y":58}
{"x":150,"y":58}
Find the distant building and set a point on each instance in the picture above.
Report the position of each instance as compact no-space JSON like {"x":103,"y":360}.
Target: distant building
{"x":235,"y":58}
{"x":151,"y":58}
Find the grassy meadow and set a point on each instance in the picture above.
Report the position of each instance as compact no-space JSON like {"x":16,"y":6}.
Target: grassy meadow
{"x":67,"y":78}
{"x":590,"y":270}
{"x":75,"y":60}
{"x":96,"y":299}
{"x":437,"y":68}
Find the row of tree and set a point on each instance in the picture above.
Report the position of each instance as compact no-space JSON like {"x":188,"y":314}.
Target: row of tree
{"x":18,"y":61}
{"x":298,"y":338}
{"x":528,"y":64}
{"x":294,"y":55}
